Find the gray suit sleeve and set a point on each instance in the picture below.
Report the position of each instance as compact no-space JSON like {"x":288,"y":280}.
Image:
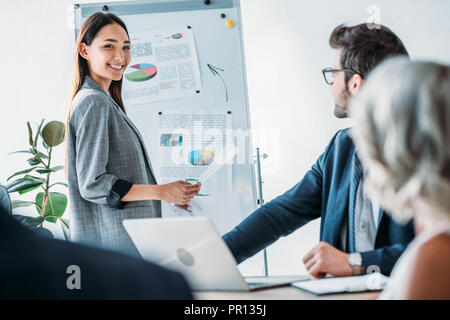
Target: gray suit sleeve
{"x":92,"y":124}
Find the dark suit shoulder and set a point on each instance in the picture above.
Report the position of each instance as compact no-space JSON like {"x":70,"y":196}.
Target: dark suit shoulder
{"x":33,"y":267}
{"x":340,"y":145}
{"x":121,"y":276}
{"x":343,"y":136}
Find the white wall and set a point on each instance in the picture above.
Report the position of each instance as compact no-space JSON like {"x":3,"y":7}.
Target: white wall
{"x":291,"y":96}
{"x":286,"y":46}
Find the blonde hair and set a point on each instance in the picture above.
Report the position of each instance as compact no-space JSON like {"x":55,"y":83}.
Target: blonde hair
{"x":402,"y":135}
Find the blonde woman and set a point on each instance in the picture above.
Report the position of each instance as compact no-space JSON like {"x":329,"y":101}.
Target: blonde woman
{"x":109,"y":172}
{"x":402,"y":135}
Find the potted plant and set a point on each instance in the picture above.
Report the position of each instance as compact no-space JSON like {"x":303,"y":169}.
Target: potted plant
{"x":49,"y":205}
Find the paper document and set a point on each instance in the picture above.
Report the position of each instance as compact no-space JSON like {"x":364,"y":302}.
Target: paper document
{"x":194,"y":147}
{"x":215,"y":166}
{"x":223,"y":210}
{"x":368,"y":282}
{"x":163,"y":66}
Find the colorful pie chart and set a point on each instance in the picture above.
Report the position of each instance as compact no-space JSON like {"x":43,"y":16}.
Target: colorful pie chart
{"x":201,"y":157}
{"x":144,"y":72}
{"x":177,"y":36}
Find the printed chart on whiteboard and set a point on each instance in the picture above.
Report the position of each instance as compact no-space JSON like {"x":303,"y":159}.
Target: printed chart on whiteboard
{"x":197,"y":146}
{"x":189,"y":144}
{"x":163,"y":66}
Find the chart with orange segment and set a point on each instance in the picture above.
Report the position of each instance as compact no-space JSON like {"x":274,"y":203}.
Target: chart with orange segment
{"x":141,"y":72}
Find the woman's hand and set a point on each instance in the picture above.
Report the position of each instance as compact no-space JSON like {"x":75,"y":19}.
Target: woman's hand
{"x":179,"y":192}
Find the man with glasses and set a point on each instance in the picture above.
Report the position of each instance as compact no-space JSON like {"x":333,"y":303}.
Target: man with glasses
{"x":356,"y":236}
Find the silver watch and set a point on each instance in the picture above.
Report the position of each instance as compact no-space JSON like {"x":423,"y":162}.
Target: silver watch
{"x":355,"y":261}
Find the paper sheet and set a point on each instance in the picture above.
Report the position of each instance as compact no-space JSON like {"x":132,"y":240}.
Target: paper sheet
{"x":372,"y":281}
{"x":164,"y":65}
{"x":194,"y":147}
{"x":223,"y":210}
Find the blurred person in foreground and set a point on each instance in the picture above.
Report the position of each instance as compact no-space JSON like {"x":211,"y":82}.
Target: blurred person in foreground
{"x":402,"y":134}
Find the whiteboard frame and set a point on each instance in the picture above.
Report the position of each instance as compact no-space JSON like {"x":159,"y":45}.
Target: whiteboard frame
{"x":82,"y":11}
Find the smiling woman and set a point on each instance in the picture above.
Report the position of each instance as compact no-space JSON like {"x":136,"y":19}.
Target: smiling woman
{"x":96,"y":47}
{"x":107,"y":57}
{"x":107,"y":162}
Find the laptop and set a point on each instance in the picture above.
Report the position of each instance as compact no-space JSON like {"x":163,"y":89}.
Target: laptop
{"x":193,"y":247}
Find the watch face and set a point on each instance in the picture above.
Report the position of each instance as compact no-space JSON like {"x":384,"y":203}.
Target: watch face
{"x":355,"y":259}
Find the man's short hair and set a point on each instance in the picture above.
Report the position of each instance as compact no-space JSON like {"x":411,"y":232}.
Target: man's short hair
{"x":363,"y":48}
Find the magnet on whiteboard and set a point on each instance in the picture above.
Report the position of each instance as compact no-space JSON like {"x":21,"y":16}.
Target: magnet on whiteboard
{"x":229,"y":23}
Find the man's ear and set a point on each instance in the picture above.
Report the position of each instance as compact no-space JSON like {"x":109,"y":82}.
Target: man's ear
{"x":83,"y":50}
{"x":354,"y":84}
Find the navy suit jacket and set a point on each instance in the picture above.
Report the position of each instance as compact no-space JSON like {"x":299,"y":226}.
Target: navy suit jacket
{"x":34,"y":267}
{"x":322,"y":193}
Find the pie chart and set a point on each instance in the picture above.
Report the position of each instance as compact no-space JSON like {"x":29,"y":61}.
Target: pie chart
{"x":177,"y":36}
{"x":143,"y":72}
{"x":201,"y":157}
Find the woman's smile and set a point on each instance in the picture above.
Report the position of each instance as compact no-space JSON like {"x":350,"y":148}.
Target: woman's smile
{"x":116,"y":67}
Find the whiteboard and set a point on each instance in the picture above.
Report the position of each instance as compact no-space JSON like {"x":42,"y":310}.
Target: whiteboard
{"x":216,"y":45}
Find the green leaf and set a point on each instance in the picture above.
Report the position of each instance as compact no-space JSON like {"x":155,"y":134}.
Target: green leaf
{"x":20,"y":203}
{"x":22,"y":172}
{"x":33,"y":152}
{"x":47,"y":170}
{"x":27,"y":176}
{"x":24,"y":183}
{"x":65,"y":222}
{"x":33,"y":161}
{"x":56,"y":205}
{"x":65,"y":228}
{"x":66,"y":233}
{"x":30,"y":134}
{"x":42,"y":171}
{"x":46,"y":146}
{"x":33,"y":178}
{"x":37,"y":134}
{"x":28,"y":190}
{"x":53,"y":133}
{"x":23,"y":151}
{"x":29,"y":221}
{"x":40,"y":154}
{"x":43,"y":232}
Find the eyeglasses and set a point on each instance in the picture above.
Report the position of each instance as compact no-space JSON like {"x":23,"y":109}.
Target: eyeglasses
{"x":328,"y":74}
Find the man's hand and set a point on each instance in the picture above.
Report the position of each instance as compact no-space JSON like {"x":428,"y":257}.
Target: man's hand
{"x":324,"y":258}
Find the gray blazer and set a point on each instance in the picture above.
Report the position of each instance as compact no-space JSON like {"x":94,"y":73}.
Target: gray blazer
{"x":103,"y":147}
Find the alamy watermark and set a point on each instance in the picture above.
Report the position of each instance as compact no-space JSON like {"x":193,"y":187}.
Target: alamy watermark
{"x":222,"y":146}
{"x":375,"y":281}
{"x":74,"y":280}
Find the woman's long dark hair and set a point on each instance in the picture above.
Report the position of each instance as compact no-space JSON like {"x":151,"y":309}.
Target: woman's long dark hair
{"x":87,"y":33}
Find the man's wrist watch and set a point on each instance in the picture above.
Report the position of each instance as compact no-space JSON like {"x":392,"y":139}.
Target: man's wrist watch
{"x":355,"y":261}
